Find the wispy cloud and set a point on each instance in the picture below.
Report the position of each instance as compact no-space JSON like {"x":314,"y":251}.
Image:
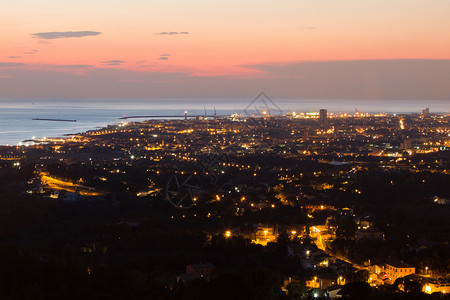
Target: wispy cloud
{"x":73,"y":66}
{"x":64,"y":34}
{"x":44,"y":66}
{"x":172,"y":32}
{"x":115,"y":62}
{"x":32,"y":52}
{"x":13,"y":56}
{"x":10,"y":64}
{"x":164,"y":56}
{"x":146,"y":66}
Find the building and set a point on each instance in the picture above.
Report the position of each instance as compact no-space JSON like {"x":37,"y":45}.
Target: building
{"x":327,"y":280}
{"x":436,"y":288}
{"x":264,"y":234}
{"x":370,"y":234}
{"x":311,"y":207}
{"x":397,"y":270}
{"x":313,"y":283}
{"x":200,"y":269}
{"x":441,"y":201}
{"x":195,"y":271}
{"x":323,"y":115}
{"x":430,"y":284}
{"x":333,"y":292}
{"x":322,"y":282}
{"x":406,"y":144}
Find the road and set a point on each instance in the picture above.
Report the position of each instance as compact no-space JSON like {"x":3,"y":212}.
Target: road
{"x":57,"y":184}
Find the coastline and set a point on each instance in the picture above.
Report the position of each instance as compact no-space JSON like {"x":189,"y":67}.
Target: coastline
{"x":17,"y":127}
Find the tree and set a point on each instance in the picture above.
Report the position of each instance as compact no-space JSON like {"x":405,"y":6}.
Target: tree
{"x":297,"y":289}
{"x":356,"y":290}
{"x":360,"y":276}
{"x":346,"y":230}
{"x":406,"y":285}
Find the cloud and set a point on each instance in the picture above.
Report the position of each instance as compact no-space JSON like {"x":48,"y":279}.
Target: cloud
{"x":73,"y":66}
{"x":172,"y":32}
{"x":164,"y":56}
{"x":32,"y":52}
{"x":309,"y":27}
{"x":13,"y":56}
{"x":44,"y":66}
{"x":365,"y":80}
{"x":115,"y":62}
{"x":64,"y":34}
{"x":10,"y":64}
{"x":131,"y":80}
{"x":146,"y":66}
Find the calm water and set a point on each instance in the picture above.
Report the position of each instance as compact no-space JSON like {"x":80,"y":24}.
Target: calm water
{"x":16,"y":124}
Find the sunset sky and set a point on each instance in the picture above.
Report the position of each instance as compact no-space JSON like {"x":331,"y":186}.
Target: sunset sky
{"x":178,"y":49}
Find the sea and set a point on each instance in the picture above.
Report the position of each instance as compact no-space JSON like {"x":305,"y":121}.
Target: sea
{"x":17,"y":124}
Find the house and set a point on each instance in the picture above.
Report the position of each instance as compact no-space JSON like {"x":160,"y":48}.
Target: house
{"x":327,"y":280}
{"x":441,"y":201}
{"x":370,"y":234}
{"x":202,"y":270}
{"x":313,"y":283}
{"x":294,"y":229}
{"x":429,"y":284}
{"x":132,"y":223}
{"x":436,"y":288}
{"x":365,"y":222}
{"x":346,"y":211}
{"x":195,"y":271}
{"x":311,"y":207}
{"x":397,"y":270}
{"x":333,"y":292}
{"x":264,"y":234}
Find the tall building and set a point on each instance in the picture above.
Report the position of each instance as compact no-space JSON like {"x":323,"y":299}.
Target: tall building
{"x":406,"y":145}
{"x":426,"y":112}
{"x":323,"y":115}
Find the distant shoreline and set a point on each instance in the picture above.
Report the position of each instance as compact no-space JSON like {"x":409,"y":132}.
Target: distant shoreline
{"x":16,"y":125}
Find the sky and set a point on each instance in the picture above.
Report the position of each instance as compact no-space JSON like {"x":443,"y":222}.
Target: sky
{"x":327,"y":49}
